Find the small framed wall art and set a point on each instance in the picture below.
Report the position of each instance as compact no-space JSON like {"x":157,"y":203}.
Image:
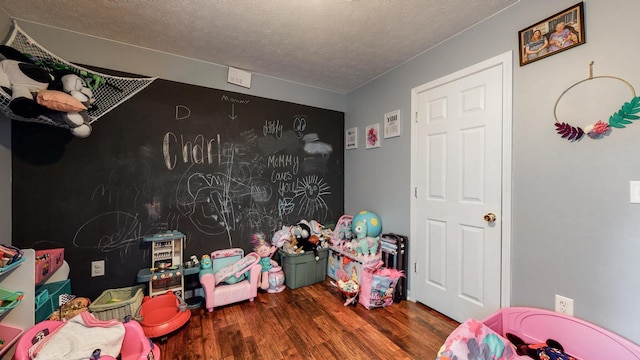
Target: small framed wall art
{"x":351,"y":140}
{"x":392,"y":124}
{"x":373,"y":136}
{"x":559,"y":32}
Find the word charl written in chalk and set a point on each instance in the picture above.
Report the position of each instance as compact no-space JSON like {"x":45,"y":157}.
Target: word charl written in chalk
{"x":198,"y":150}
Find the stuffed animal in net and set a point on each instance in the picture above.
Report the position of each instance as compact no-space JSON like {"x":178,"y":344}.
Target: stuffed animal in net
{"x":549,"y":350}
{"x":61,"y":96}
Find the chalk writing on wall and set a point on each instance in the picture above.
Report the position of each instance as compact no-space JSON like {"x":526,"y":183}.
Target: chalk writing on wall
{"x":215,"y":165}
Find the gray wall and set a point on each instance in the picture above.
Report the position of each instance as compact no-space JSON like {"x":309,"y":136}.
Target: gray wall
{"x":99,"y":52}
{"x":574,"y":231}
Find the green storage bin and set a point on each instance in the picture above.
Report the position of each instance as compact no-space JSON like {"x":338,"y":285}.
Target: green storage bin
{"x":49,"y":305}
{"x":303,"y":269}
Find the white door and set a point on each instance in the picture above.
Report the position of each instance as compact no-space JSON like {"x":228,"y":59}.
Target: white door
{"x":458,"y":177}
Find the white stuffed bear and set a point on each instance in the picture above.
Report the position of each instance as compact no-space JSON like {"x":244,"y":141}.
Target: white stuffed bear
{"x":30,"y":87}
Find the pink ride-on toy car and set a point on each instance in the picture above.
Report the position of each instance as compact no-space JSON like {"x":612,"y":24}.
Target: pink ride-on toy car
{"x":135,"y":345}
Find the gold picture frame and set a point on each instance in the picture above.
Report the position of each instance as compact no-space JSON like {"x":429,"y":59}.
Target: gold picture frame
{"x":555,"y":34}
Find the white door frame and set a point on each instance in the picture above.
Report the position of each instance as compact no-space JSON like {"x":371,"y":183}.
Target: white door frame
{"x":504,"y":60}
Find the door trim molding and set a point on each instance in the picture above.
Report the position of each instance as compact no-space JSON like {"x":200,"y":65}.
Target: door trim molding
{"x":505,"y":61}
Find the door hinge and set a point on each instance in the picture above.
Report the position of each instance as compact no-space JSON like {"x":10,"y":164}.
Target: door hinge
{"x":415,"y":267}
{"x":415,"y":192}
{"x":416,"y":116}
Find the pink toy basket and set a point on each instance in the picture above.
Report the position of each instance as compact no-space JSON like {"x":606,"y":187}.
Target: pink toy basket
{"x":378,"y":286}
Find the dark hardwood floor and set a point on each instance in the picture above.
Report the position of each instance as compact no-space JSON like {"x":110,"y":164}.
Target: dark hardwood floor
{"x":309,"y":323}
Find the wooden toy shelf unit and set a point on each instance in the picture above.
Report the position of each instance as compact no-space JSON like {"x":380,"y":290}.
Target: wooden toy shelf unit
{"x":166,"y":272}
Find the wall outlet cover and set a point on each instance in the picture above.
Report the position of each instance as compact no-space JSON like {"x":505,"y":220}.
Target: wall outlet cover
{"x":97,"y":268}
{"x":564,"y":305}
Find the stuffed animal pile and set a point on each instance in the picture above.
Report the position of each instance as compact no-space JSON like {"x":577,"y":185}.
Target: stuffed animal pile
{"x":61,"y":95}
{"x":302,"y":237}
{"x":359,"y":236}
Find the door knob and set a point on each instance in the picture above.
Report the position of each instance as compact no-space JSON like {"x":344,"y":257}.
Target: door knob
{"x":490,"y":217}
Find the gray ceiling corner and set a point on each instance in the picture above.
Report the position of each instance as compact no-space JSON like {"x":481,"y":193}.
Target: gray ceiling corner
{"x":337,"y":45}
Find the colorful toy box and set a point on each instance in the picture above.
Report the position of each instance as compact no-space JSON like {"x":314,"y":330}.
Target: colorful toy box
{"x":339,"y":260}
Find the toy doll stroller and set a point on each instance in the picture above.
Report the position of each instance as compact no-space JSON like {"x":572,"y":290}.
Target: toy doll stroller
{"x":348,"y":287}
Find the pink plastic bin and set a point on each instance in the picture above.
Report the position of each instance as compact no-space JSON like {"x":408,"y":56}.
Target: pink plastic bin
{"x":47,"y":262}
{"x":579,"y":338}
{"x":9,"y":335}
{"x":134,"y":347}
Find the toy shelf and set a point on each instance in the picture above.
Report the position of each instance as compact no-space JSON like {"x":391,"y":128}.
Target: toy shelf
{"x":9,"y":299}
{"x":19,"y":276}
{"x":6,"y":269}
{"x":8,"y":335}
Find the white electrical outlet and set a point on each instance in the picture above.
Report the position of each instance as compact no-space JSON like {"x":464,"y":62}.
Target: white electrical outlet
{"x":97,"y":268}
{"x":564,"y":305}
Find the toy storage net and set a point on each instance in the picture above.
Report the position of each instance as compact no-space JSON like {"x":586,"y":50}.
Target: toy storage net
{"x":109,"y":91}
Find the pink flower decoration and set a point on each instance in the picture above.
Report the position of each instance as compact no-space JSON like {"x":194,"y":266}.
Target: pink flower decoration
{"x":372,"y":136}
{"x":475,"y":327}
{"x":600,"y":127}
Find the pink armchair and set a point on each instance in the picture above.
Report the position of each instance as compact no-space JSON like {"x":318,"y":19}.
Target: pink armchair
{"x":231,"y":277}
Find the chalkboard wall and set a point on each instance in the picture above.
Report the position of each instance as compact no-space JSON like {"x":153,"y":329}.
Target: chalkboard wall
{"x":215,"y":165}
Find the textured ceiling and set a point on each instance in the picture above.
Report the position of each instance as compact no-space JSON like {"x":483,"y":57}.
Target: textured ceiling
{"x":336,"y":45}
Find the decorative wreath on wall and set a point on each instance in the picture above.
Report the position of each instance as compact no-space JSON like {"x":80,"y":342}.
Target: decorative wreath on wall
{"x":619,"y":119}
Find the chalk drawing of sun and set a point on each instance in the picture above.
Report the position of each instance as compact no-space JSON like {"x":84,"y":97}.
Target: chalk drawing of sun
{"x":309,"y":193}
